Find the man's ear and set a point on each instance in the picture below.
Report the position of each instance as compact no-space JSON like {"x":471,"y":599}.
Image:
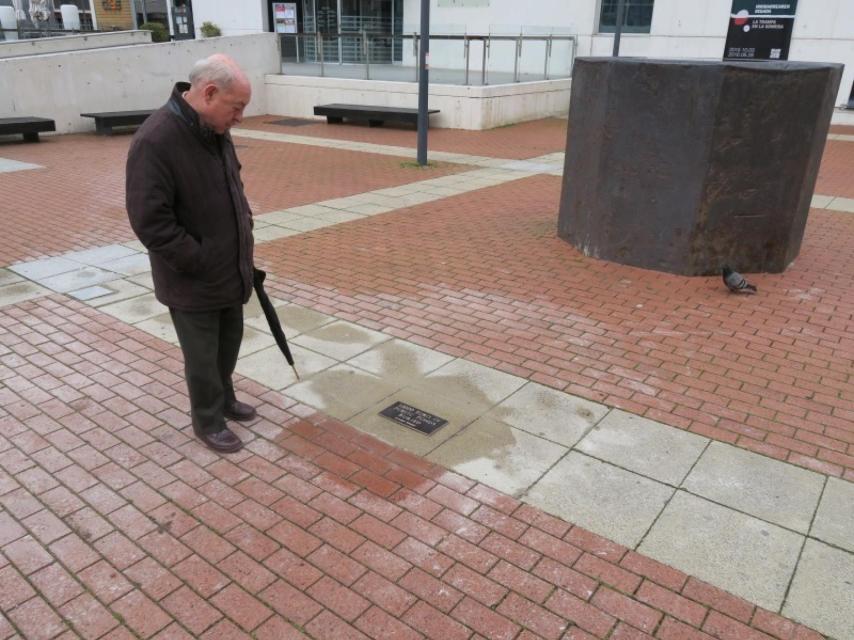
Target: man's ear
{"x":209,"y":91}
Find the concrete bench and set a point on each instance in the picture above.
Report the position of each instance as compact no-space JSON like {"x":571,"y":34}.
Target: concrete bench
{"x":29,"y":126}
{"x":105,"y":121}
{"x":376,"y":116}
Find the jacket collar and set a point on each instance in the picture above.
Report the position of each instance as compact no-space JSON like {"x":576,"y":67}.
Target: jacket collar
{"x":188,"y":115}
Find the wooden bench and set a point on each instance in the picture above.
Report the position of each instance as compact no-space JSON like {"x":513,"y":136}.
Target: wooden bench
{"x":29,"y":126}
{"x":376,"y":116}
{"x":105,"y":121}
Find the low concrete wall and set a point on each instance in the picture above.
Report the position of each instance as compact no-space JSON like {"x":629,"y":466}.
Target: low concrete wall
{"x":81,"y":42}
{"x":64,"y":85}
{"x":460,"y":107}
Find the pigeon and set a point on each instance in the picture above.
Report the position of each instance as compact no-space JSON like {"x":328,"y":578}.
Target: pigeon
{"x":736,"y":283}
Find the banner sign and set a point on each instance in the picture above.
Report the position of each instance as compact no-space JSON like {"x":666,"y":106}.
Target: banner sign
{"x":760,"y":29}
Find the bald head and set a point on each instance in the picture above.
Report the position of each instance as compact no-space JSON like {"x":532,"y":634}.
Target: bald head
{"x":219,"y":91}
{"x":218,"y":69}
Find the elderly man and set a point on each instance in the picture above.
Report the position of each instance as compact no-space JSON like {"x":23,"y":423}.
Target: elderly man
{"x":186,"y":204}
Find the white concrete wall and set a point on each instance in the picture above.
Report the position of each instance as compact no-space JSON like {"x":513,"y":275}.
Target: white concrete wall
{"x":460,"y":107}
{"x":79,"y":42}
{"x":233,"y":17}
{"x":64,"y":85}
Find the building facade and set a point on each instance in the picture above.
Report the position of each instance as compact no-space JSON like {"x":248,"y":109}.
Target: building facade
{"x":823,"y":29}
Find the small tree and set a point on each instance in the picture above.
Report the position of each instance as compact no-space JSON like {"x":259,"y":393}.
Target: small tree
{"x":210,"y":30}
{"x":159,"y":33}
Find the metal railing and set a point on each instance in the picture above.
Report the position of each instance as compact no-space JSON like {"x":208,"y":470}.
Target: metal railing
{"x":373,"y":49}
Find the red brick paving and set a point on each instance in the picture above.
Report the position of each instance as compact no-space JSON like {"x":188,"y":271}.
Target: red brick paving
{"x":475,"y":277}
{"x":114,"y":521}
{"x":520,"y":141}
{"x":83,"y":179}
{"x":82,"y":185}
{"x":836,"y":175}
{"x":369,"y":579}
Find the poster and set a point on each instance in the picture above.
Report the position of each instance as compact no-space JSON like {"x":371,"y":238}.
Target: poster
{"x":760,"y":29}
{"x":285,"y":17}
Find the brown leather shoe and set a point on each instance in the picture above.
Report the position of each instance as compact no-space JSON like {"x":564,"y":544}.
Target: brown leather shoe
{"x":239,"y":411}
{"x":223,"y":441}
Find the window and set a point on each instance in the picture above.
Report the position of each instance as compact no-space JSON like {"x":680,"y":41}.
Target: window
{"x":85,"y":13}
{"x":637,"y":16}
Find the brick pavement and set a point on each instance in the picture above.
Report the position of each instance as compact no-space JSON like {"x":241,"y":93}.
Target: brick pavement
{"x":82,"y":185}
{"x":837,"y":166}
{"x":116,"y":524}
{"x":483,"y":276}
{"x":525,"y":140}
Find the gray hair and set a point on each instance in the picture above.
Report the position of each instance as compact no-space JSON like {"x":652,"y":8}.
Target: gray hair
{"x":216,"y":69}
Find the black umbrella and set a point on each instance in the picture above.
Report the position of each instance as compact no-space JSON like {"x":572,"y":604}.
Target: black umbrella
{"x":258,"y":277}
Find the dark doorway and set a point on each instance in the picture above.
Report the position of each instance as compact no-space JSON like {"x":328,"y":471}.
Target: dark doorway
{"x":182,"y":20}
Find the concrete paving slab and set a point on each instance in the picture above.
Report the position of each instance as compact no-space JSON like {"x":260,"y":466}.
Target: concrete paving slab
{"x":99,"y":256}
{"x":341,"y":391}
{"x":78,"y":279}
{"x":822,"y":591}
{"x":367,"y":209}
{"x":20,"y":292}
{"x":273,"y":232}
{"x":135,"y":245}
{"x":644,"y":446}
{"x":10,"y":166}
{"x":123,"y":289}
{"x":131,"y":265}
{"x":136,"y":309}
{"x":498,"y":455}
{"x":143,"y":280}
{"x":269,"y":367}
{"x":398,"y":435}
{"x":340,"y":339}
{"x":842,"y":204}
{"x":605,"y":499}
{"x":417,"y":198}
{"x":294,"y":318}
{"x":282,"y":217}
{"x":746,"y":556}
{"x":400,"y":360}
{"x":335,"y":216}
{"x":469,"y":383}
{"x":89,"y":293}
{"x":768,"y":489}
{"x":549,"y":414}
{"x":254,"y":340}
{"x":44,"y":268}
{"x":305,"y":223}
{"x":820,"y":201}
{"x":9,"y":277}
{"x":341,"y":203}
{"x":160,"y":326}
{"x":834,"y":520}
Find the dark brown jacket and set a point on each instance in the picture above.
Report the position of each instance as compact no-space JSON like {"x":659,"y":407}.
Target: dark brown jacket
{"x":186,"y":204}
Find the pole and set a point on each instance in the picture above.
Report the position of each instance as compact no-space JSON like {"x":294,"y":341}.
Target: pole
{"x":621,"y":6}
{"x":423,"y":82}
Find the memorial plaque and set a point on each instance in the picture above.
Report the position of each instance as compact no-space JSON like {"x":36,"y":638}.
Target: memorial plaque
{"x":414,"y":418}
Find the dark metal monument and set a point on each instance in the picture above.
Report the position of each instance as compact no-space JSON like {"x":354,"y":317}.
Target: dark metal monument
{"x":683,"y":166}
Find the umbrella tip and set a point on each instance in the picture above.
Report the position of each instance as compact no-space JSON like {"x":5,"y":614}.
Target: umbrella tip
{"x":296,"y":373}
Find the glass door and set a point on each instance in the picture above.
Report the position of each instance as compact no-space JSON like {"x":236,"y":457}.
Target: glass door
{"x":182,"y":20}
{"x":367,"y":18}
